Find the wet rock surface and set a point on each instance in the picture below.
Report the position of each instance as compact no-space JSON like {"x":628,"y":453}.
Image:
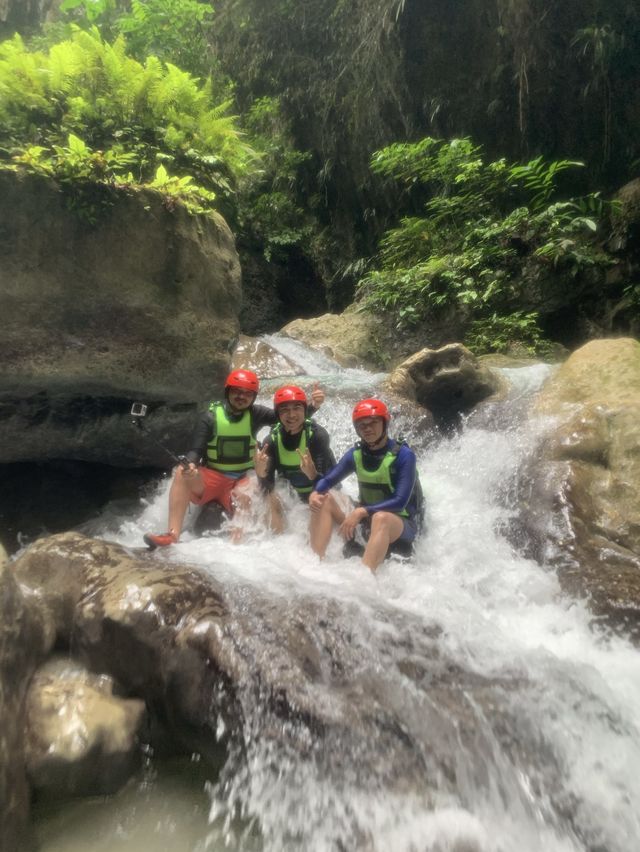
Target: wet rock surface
{"x":448,"y":381}
{"x":23,"y":642}
{"x":584,"y":507}
{"x":81,"y":738}
{"x":142,"y":305}
{"x":357,"y":338}
{"x":251,"y":353}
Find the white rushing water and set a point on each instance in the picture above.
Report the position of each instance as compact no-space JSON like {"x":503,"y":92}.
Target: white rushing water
{"x":562,"y":776}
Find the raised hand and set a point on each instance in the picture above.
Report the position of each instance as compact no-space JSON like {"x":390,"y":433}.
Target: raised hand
{"x":307,"y":465}
{"x":317,"y":395}
{"x":261,"y":462}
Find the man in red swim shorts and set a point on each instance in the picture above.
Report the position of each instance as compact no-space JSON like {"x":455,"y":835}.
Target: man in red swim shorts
{"x":222,"y":453}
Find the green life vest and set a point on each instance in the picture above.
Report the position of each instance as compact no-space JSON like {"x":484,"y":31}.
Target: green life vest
{"x":288,"y":461}
{"x":231,"y":449}
{"x":375,"y":485}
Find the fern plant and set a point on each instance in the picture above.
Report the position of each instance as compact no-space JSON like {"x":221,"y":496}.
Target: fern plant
{"x":87,"y":105}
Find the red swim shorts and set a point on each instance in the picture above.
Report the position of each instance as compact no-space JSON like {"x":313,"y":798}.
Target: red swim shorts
{"x":217,"y":487}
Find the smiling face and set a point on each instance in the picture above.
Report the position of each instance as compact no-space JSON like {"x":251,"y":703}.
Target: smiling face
{"x":371,"y":430}
{"x":292,"y":415}
{"x":240,"y":399}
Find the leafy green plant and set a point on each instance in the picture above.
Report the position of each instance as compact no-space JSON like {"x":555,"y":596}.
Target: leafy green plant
{"x":175,"y":31}
{"x":539,"y":178}
{"x":486,"y":226}
{"x":183,"y":188}
{"x":268,"y":208}
{"x":85,"y":109}
{"x":519,"y":331}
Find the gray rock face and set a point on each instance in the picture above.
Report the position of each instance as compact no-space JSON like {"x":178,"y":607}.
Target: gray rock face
{"x":448,"y":382}
{"x":22,"y":644}
{"x":141,"y":305}
{"x":360,"y":339}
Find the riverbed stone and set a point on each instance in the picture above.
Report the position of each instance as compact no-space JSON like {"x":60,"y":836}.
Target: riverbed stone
{"x":141,"y":304}
{"x":449,"y":381}
{"x":587,"y":485}
{"x":81,"y":738}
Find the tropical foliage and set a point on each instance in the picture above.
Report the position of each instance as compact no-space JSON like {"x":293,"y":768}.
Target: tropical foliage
{"x":485,"y":228}
{"x":269,"y":210}
{"x":175,"y":31}
{"x":85,"y":109}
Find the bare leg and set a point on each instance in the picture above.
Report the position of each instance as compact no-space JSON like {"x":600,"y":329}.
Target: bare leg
{"x":385,"y":529}
{"x":275,"y":514}
{"x":185,"y":484}
{"x":241,"y":498}
{"x":321,"y":524}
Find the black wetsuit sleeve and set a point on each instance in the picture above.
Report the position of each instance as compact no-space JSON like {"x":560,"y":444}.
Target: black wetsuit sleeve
{"x":202,"y":437}
{"x":267,"y":483}
{"x":262,"y":416}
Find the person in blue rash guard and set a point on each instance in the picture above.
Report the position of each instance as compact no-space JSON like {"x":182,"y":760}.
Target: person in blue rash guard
{"x":390,"y":496}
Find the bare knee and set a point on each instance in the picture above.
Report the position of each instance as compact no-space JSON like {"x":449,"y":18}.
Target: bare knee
{"x":381,"y":521}
{"x":386,"y":524}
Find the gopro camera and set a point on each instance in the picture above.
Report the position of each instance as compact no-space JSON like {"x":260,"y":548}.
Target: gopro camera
{"x":138,"y":409}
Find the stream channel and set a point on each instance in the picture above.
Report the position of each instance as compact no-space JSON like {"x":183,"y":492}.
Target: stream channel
{"x":521,"y":712}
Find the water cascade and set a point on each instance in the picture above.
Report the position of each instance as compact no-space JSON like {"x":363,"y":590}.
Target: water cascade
{"x":480,"y":710}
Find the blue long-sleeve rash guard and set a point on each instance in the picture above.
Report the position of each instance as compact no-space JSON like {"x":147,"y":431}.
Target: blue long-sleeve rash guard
{"x":403,"y":477}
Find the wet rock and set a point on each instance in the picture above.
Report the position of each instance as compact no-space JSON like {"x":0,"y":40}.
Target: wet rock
{"x":356,"y":338}
{"x":350,"y":338}
{"x":449,"y":381}
{"x":81,"y":738}
{"x":588,"y":477}
{"x":254,"y":354}
{"x":22,"y":645}
{"x":141,"y":305}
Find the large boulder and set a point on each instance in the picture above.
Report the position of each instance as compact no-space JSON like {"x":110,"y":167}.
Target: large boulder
{"x":22,"y":645}
{"x":81,"y":738}
{"x":141,"y":305}
{"x":350,"y":338}
{"x":448,"y":381}
{"x":357,"y":338}
{"x":587,"y":479}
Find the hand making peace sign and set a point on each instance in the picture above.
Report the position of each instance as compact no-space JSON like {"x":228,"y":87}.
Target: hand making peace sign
{"x":261,"y":461}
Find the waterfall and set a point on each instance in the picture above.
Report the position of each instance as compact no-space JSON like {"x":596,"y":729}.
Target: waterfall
{"x":505,"y":718}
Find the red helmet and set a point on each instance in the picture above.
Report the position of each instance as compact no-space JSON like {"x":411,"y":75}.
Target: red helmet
{"x":244,"y":379}
{"x":370,"y":408}
{"x":289,"y":393}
